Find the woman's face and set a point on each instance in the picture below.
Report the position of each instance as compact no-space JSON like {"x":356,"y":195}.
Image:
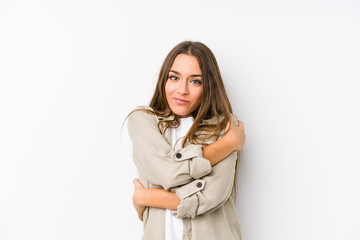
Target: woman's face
{"x":184,"y":87}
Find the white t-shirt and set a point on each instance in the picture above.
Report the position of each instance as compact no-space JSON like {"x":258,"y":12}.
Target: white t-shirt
{"x":174,"y":225}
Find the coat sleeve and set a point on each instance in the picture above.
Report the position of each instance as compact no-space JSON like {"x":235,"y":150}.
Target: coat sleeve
{"x":208,"y":193}
{"x":157,"y":161}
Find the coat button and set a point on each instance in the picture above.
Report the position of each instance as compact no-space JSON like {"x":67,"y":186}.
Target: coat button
{"x":178,"y":155}
{"x":199,"y":184}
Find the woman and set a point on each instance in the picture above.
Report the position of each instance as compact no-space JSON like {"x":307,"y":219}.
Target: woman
{"x":185,"y":148}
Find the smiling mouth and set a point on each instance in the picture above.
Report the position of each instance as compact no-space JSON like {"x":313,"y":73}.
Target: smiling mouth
{"x":181,"y":101}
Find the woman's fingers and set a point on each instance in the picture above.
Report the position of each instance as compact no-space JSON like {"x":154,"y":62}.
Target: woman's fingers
{"x":139,"y":209}
{"x":230,"y":124}
{"x":237,"y":135}
{"x":241,"y":124}
{"x":137,"y":184}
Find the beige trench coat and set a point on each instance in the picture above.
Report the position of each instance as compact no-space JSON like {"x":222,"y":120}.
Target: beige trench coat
{"x":206,"y":205}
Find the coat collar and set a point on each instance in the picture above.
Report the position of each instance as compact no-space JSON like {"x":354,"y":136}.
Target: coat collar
{"x":204,"y":121}
{"x":167,"y":131}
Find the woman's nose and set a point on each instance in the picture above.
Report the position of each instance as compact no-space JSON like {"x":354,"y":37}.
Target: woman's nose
{"x":183,"y":88}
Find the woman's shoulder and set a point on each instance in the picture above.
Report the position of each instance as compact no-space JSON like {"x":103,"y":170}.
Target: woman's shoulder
{"x":142,"y":113}
{"x":142,"y":107}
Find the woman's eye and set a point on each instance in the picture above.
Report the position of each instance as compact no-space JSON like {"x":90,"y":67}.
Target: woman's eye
{"x":173,"y":77}
{"x":196,"y":81}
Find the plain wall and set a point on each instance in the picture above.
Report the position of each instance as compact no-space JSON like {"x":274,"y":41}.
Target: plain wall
{"x":70,"y":71}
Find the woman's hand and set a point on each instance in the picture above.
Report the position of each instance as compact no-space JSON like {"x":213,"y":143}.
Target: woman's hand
{"x":138,"y":198}
{"x":236,"y":135}
{"x":233,"y":140}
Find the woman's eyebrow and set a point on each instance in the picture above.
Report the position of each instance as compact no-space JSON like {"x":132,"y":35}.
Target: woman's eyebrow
{"x":193,"y":75}
{"x":175,"y":72}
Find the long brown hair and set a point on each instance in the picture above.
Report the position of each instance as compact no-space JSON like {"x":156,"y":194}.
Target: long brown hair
{"x":214,"y":103}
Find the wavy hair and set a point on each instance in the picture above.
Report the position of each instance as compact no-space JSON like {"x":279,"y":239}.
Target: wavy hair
{"x":214,"y":103}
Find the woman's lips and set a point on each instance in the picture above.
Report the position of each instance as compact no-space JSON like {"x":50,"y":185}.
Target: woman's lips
{"x":180,"y":101}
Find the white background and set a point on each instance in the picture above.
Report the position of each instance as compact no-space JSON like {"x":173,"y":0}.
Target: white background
{"x":70,"y":72}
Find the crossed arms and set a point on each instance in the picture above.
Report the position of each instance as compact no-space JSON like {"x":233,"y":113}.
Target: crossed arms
{"x":195,"y":179}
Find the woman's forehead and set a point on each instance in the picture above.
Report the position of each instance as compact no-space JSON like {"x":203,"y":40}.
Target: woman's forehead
{"x":186,"y":64}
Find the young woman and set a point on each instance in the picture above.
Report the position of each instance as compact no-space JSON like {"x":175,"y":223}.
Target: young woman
{"x":185,"y":147}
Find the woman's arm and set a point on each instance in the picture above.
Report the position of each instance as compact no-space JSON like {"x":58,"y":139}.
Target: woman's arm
{"x":233,"y":140}
{"x":178,"y":167}
{"x":209,"y":193}
{"x":153,"y":197}
{"x":156,"y":160}
{"x":193,"y":198}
